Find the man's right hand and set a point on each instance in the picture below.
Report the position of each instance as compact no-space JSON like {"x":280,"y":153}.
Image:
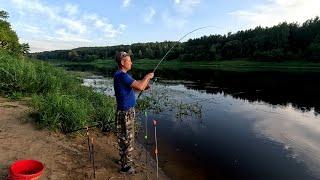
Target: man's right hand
{"x":149,"y":75}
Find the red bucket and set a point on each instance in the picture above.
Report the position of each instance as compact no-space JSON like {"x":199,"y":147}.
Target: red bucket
{"x":26,"y":170}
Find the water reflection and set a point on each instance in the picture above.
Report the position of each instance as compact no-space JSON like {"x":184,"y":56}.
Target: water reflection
{"x":253,"y":125}
{"x":298,"y":132}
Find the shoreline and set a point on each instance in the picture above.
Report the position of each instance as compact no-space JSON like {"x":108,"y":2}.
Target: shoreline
{"x":240,"y":65}
{"x":64,"y":156}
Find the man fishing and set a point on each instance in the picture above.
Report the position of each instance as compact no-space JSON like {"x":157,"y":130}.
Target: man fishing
{"x":125,"y":87}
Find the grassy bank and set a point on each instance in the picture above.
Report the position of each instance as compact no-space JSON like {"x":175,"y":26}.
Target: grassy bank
{"x":230,"y":65}
{"x":58,"y":98}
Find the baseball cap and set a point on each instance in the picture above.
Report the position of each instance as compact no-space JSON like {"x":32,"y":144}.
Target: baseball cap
{"x":120,"y":55}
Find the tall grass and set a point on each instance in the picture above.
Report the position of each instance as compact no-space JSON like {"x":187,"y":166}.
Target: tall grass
{"x":57,"y":97}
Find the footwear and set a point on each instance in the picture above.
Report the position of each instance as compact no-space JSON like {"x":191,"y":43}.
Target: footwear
{"x":127,"y":170}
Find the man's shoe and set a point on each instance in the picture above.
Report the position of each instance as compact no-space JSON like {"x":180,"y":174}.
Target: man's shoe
{"x":127,"y":170}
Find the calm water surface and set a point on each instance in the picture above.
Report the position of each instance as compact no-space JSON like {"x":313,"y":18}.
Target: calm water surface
{"x":251,"y":125}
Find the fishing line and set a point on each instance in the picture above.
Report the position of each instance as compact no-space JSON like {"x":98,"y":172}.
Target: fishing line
{"x":154,"y":70}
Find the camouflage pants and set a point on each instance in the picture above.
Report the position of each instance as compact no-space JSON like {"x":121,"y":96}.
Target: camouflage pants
{"x":125,"y":135}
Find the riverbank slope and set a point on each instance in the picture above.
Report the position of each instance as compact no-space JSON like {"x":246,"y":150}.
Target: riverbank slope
{"x":65,"y":156}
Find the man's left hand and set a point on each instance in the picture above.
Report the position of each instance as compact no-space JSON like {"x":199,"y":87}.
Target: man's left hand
{"x":147,"y":87}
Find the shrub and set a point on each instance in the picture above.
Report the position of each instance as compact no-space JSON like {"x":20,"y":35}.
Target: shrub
{"x":58,"y":97}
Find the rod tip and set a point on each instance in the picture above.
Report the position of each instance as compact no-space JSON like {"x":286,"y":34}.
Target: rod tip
{"x":155,"y":122}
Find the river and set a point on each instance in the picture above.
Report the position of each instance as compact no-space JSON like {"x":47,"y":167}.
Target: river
{"x":228,"y":125}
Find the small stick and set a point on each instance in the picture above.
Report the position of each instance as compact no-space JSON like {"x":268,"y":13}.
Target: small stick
{"x":146,"y":141}
{"x":89,"y":147}
{"x":93,"y":167}
{"x":146,"y":135}
{"x":156,"y":150}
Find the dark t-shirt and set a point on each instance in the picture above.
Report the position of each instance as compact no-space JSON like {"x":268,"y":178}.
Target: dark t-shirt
{"x":124,"y":93}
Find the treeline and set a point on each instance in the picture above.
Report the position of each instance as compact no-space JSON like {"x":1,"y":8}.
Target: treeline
{"x":286,"y":41}
{"x":8,"y":38}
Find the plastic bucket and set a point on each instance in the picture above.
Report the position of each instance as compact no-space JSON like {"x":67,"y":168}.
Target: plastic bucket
{"x":26,"y":170}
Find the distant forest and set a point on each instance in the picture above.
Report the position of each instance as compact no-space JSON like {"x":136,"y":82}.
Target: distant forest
{"x":278,"y":43}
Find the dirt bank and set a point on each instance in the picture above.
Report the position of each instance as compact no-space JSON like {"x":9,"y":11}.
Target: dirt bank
{"x":65,"y":157}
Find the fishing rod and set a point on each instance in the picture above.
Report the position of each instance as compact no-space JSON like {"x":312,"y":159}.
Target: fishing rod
{"x":154,"y":70}
{"x":84,"y":128}
{"x":156,"y":150}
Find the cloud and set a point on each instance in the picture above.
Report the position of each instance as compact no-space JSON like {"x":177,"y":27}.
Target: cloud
{"x":297,"y":132}
{"x":149,"y":15}
{"x":71,"y":9}
{"x":173,"y":21}
{"x":34,"y":7}
{"x":39,"y":45}
{"x":186,"y":7}
{"x":122,"y":27}
{"x":126,"y":3}
{"x":273,"y":12}
{"x":32,"y":29}
{"x":65,"y":24}
{"x":108,"y":29}
{"x":69,"y":37}
{"x":178,"y":15}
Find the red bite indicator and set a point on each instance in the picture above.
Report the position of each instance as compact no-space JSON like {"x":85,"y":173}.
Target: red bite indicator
{"x":155,"y":122}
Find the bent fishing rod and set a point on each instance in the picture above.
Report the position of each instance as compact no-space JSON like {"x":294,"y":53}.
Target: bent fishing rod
{"x":154,"y":70}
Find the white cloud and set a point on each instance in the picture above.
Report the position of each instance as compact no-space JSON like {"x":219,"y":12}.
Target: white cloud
{"x":32,"y":29}
{"x":173,"y":21}
{"x":298,"y":132}
{"x":39,"y":45}
{"x":181,"y":11}
{"x":74,"y":25}
{"x":126,"y":3}
{"x":108,"y":29}
{"x":34,"y":7}
{"x":65,"y":24}
{"x":69,"y":37}
{"x":71,"y":9}
{"x":186,"y":7}
{"x":122,"y":27}
{"x":149,"y":15}
{"x":273,"y":12}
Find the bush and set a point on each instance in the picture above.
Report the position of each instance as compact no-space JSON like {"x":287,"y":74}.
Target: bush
{"x":273,"y":55}
{"x":64,"y":112}
{"x":58,"y":97}
{"x":30,"y":76}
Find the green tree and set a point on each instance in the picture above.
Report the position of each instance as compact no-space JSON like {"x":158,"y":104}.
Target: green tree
{"x":24,"y":48}
{"x":313,"y":52}
{"x":4,"y":15}
{"x":140,"y":53}
{"x":130,"y":52}
{"x":73,"y":55}
{"x":8,"y":38}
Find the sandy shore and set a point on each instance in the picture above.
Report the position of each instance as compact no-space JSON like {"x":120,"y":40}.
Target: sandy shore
{"x":65,"y":157}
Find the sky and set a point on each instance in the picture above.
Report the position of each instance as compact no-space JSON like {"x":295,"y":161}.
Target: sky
{"x":66,"y":24}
